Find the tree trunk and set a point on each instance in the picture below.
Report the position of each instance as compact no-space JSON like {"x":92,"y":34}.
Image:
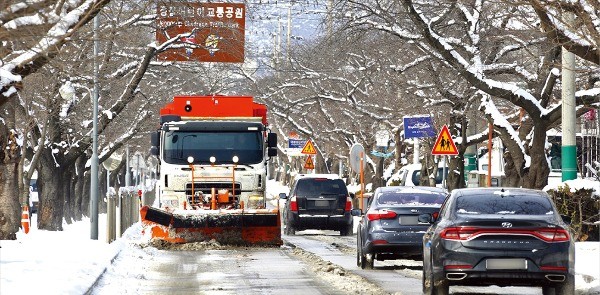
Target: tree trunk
{"x":512,"y":178}
{"x":67,"y":187}
{"x":10,"y":155}
{"x":78,"y":188}
{"x":379,"y":181}
{"x":51,"y":189}
{"x":537,"y":175}
{"x":456,"y":164}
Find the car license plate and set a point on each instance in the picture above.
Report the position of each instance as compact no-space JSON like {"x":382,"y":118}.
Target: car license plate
{"x":506,"y":263}
{"x":321,"y":203}
{"x":409,"y":220}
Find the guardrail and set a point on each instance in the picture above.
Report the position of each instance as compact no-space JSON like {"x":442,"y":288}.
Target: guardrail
{"x":123,"y":210}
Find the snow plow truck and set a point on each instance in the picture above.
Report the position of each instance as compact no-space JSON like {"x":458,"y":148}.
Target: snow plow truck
{"x":213,"y":153}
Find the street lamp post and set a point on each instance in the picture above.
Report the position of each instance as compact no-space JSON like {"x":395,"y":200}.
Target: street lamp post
{"x":94,"y":165}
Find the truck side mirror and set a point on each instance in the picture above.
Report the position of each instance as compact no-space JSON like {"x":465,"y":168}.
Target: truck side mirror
{"x":272,"y":140}
{"x":154,"y":150}
{"x":272,"y":152}
{"x":155,"y":139}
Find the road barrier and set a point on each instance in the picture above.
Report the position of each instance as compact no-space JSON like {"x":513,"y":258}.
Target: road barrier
{"x":25,"y":219}
{"x":123,"y":210}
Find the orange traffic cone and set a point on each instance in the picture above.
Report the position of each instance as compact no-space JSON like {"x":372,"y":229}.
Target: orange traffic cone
{"x":25,"y":219}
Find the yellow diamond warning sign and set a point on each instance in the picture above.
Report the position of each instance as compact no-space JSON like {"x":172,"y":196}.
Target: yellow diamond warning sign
{"x":309,"y":164}
{"x":444,"y":145}
{"x":309,"y":148}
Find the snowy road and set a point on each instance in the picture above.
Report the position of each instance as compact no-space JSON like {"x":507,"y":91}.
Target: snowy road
{"x":393,"y":276}
{"x":312,"y":262}
{"x":209,"y":271}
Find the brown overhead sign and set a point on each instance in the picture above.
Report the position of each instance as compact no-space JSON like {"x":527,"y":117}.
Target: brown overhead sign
{"x":216,"y":31}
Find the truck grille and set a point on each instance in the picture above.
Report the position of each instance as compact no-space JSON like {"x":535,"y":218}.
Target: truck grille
{"x":207,"y":187}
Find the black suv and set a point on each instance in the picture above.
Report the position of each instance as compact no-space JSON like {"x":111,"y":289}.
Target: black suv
{"x":317,"y":201}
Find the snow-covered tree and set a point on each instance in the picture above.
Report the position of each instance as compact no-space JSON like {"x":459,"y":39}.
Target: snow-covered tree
{"x":500,"y":52}
{"x":31,"y":34}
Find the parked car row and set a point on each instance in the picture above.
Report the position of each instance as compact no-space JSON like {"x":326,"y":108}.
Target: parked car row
{"x":473,"y":237}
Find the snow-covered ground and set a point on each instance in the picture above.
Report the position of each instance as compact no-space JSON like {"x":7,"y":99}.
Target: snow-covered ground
{"x":68,"y":262}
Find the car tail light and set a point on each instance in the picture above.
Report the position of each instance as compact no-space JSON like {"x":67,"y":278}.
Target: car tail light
{"x":466,"y":233}
{"x":553,"y":235}
{"x":553,"y":268}
{"x":293,"y":204}
{"x":458,"y":233}
{"x":379,"y":242}
{"x":348,"y":204}
{"x":380,"y":214}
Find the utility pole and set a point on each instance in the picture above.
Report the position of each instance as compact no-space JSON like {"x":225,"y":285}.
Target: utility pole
{"x":569,"y":149}
{"x":278,"y":41}
{"x":94,"y":167}
{"x":471,"y":151}
{"x":329,"y":18}
{"x":289,"y":34}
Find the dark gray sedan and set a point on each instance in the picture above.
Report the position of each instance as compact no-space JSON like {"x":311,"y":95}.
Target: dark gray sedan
{"x":390,"y":228}
{"x":498,"y":236}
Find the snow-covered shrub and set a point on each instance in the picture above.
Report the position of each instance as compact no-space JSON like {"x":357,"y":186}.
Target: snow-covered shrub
{"x":582,"y":205}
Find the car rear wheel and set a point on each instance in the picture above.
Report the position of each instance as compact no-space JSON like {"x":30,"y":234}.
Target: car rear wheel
{"x":369,"y":261}
{"x":437,"y":287}
{"x":547,"y":290}
{"x":359,"y":258}
{"x":567,"y":287}
{"x":441,"y":288}
{"x":430,"y":287}
{"x":346,"y":231}
{"x":426,"y":282}
{"x":290,"y":230}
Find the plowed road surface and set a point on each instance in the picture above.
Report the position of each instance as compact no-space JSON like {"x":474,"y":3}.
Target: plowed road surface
{"x":312,"y":262}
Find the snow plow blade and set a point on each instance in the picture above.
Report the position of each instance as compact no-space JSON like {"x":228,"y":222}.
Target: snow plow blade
{"x":232,"y":227}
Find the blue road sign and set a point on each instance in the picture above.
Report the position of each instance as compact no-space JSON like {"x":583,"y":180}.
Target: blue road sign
{"x":296,"y":143}
{"x":418,"y":127}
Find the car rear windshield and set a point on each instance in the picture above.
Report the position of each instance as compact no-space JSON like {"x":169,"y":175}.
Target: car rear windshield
{"x":320,"y":186}
{"x":410,"y":199}
{"x":503,"y":204}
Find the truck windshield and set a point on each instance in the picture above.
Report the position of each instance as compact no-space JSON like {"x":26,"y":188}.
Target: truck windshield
{"x":179,"y":145}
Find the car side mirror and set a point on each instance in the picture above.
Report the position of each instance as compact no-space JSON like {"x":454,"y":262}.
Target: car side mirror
{"x":566,"y":219}
{"x":282,"y":196}
{"x":355,"y":212}
{"x":425,"y":218}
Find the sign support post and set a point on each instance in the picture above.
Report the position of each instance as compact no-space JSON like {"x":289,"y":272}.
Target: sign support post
{"x":444,"y":146}
{"x":362,"y":180}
